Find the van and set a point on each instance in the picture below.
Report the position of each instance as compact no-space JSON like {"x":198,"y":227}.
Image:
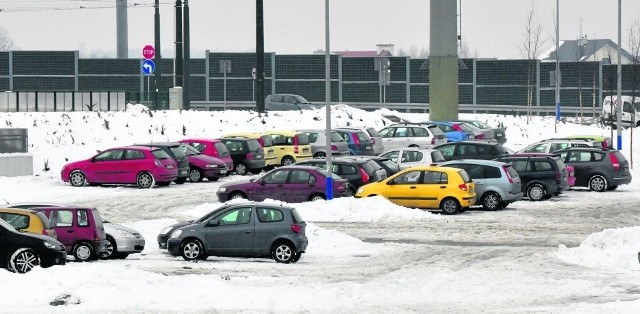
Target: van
{"x":290,"y":146}
{"x":630,"y":111}
{"x":270,"y":158}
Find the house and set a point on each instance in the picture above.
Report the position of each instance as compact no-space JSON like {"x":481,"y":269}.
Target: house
{"x":584,"y":49}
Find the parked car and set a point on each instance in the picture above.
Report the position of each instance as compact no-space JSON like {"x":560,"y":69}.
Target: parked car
{"x":449,"y":189}
{"x":240,"y":230}
{"x":376,"y":139}
{"x":138,"y":165}
{"x":246,"y":153}
{"x":497,"y":183}
{"x":358,"y":141}
{"x":173,"y":149}
{"x":552,"y":145}
{"x":499,"y":133}
{"x":318,"y":142}
{"x":358,"y":171}
{"x":411,"y":157}
{"x":22,"y":251}
{"x":28,"y":221}
{"x":596,"y":168}
{"x":211,"y":147}
{"x":411,"y":135}
{"x":290,"y":146}
{"x":541,"y":176}
{"x":202,"y":166}
{"x":80,"y":229}
{"x":286,"y":102}
{"x":293,"y":184}
{"x":452,"y":132}
{"x":270,"y":158}
{"x":484,"y":135}
{"x":599,"y":141}
{"x":571,"y":178}
{"x":387,"y":164}
{"x":471,"y":150}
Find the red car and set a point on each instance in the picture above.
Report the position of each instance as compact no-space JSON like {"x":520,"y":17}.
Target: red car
{"x":143,"y":166}
{"x":213,"y":148}
{"x":202,"y":166}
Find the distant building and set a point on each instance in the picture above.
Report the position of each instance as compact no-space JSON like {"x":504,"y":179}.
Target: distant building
{"x":584,"y":49}
{"x":383,"y":50}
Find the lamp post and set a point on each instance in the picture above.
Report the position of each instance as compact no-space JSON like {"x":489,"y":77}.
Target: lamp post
{"x":327,"y":73}
{"x":620,"y":103}
{"x":557,"y":66}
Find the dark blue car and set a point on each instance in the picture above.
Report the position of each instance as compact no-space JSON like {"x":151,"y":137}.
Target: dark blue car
{"x":450,"y":131}
{"x":359,"y":142}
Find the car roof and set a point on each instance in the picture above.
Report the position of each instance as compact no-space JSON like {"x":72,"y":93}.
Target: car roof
{"x":344,"y":159}
{"x":37,"y":204}
{"x":239,"y":138}
{"x":18,"y":211}
{"x":200,"y":139}
{"x":470,"y":142}
{"x":414,"y":149}
{"x":294,"y":166}
{"x":238,"y":203}
{"x":159,"y":144}
{"x":535,"y":155}
{"x":476,"y":161}
{"x":589,"y":149}
{"x":437,"y":122}
{"x":282,"y":132}
{"x":429,"y":167}
{"x":252,"y":135}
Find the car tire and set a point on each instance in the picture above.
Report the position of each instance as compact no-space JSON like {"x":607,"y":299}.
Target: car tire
{"x":283,"y":252}
{"x":23,"y":260}
{"x":491,"y":201}
{"x":180,"y":180}
{"x":241,"y":169}
{"x":111,"y":249}
{"x":317,"y":197}
{"x":77,"y":178}
{"x":296,"y":257}
{"x":83,"y":252}
{"x":145,"y":180}
{"x":598,"y":183}
{"x":255,"y":171}
{"x":536,"y":192}
{"x":237,"y":195}
{"x":612,"y":188}
{"x":288,"y":161}
{"x":450,"y":206}
{"x":320,"y":155}
{"x":191,"y":249}
{"x":195,"y":175}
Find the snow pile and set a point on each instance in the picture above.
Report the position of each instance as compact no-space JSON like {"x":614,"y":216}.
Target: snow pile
{"x":615,"y":249}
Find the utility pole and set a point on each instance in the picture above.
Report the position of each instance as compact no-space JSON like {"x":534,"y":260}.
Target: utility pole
{"x":158,"y":73}
{"x":186,"y":82}
{"x":260,"y":57}
{"x":122,"y":29}
{"x":177,"y":81}
{"x":555,"y":129}
{"x":327,"y":95}
{"x":620,"y":102}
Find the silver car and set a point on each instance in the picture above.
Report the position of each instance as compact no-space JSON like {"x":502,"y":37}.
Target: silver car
{"x":483,"y":135}
{"x":411,"y":157}
{"x":376,"y":139}
{"x":411,"y":135}
{"x":318,"y":142}
{"x":497,"y":183}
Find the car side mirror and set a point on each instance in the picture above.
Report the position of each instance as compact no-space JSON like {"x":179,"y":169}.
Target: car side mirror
{"x":391,"y":182}
{"x":252,"y":179}
{"x":213,"y":223}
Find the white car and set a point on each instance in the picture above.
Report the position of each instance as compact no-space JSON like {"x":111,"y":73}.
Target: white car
{"x":411,"y":135}
{"x":553,"y":145}
{"x":410,"y":157}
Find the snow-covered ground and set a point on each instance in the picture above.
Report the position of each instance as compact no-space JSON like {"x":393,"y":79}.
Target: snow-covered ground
{"x":573,"y":253}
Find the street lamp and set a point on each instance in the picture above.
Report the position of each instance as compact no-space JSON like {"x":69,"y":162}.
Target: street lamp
{"x":327,"y":72}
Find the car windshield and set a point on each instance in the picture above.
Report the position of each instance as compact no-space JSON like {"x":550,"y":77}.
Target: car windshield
{"x":500,"y":150}
{"x":178,"y":152}
{"x":303,"y":138}
{"x":6,"y":225}
{"x":335,"y":137}
{"x":160,"y":154}
{"x":267,"y":141}
{"x":189,"y":150}
{"x":210,"y":214}
{"x":391,"y":165}
{"x":480,"y":124}
{"x":222,"y":149}
{"x":301,"y":100}
{"x":253,"y":145}
{"x":363,"y":136}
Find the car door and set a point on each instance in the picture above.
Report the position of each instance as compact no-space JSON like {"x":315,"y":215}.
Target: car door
{"x":300,"y":185}
{"x":465,"y":151}
{"x":421,"y":136}
{"x":433,"y":188}
{"x":133,"y":162}
{"x":105,"y":167}
{"x":62,"y":221}
{"x":477,"y":174}
{"x":524,"y":170}
{"x":388,"y":138}
{"x":234,"y":235}
{"x":581,"y":162}
{"x":272,"y":186}
{"x":269,"y":225}
{"x":403,"y":189}
{"x":448,"y":151}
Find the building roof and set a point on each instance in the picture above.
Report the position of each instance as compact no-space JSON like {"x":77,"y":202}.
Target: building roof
{"x":363,"y":53}
{"x":572,"y":51}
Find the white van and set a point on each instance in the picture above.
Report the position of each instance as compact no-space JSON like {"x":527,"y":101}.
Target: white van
{"x":630,"y":110}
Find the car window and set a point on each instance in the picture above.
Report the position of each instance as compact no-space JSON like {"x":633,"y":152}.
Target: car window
{"x":391,"y":165}
{"x":411,"y":156}
{"x":266,"y":141}
{"x":178,"y":151}
{"x":313,"y":137}
{"x":276,"y":177}
{"x":446,"y":128}
{"x":83,"y":220}
{"x":221,"y":148}
{"x":189,"y":150}
{"x":558,"y":146}
{"x":348,"y":170}
{"x":372,"y":132}
{"x":269,"y":214}
{"x":253,"y":145}
{"x":467,"y":150}
{"x":577,"y":156}
{"x":474,"y":171}
{"x":598,"y":156}
{"x":447,"y":150}
{"x":542,"y":166}
{"x":300,"y":176}
{"x":362,"y":136}
{"x":278,"y":139}
{"x":436,"y":156}
{"x":392,"y":155}
{"x":520,"y":165}
{"x":335,"y":137}
{"x":386,"y":132}
{"x":420,"y":132}
{"x":434,"y":177}
{"x":199,"y":146}
{"x":16,"y":220}
{"x":236,"y":216}
{"x":411,"y":177}
{"x":110,"y":155}
{"x":498,"y":150}
{"x":370,"y":166}
{"x":134,"y":154}
{"x":234,"y":146}
{"x":464,"y":175}
{"x":402,"y":132}
{"x":491,"y":172}
{"x":62,"y":218}
{"x":160,"y":154}
{"x":537,"y":148}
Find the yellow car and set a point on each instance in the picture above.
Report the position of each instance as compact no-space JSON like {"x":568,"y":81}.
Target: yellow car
{"x":290,"y":146}
{"x":449,"y":189}
{"x":28,"y":220}
{"x":270,"y":158}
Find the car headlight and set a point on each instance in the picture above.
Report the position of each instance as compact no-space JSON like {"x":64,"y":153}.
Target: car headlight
{"x":126,"y":234}
{"x":176,"y":234}
{"x":50,"y":245}
{"x":222,"y":189}
{"x":360,"y":190}
{"x":211,"y":166}
{"x":166,"y":230}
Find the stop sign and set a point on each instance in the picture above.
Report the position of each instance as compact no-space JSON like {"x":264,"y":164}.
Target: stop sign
{"x":148,"y":52}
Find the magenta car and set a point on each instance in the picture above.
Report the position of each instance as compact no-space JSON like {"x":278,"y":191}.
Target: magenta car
{"x":138,"y":165}
{"x":202,"y":166}
{"x":293,"y":184}
{"x":213,"y":148}
{"x":79,"y":229}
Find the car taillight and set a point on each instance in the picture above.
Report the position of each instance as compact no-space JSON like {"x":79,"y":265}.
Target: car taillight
{"x":433,"y":141}
{"x":249,"y":156}
{"x":614,"y":161}
{"x":296,"y":228}
{"x":296,"y":149}
{"x":463,"y":187}
{"x":45,"y":232}
{"x":480,"y":137}
{"x":355,"y":139}
{"x":456,"y":127}
{"x":373,"y":140}
{"x":334,"y":147}
{"x":341,"y":187}
{"x":365,"y":176}
{"x":506,"y":171}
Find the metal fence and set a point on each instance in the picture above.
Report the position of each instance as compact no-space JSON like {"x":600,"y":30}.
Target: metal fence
{"x":14,"y":141}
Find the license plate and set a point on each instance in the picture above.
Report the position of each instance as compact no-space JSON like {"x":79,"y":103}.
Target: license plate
{"x":369,"y":147}
{"x":258,"y":156}
{"x":184,"y":172}
{"x":169,"y":167}
{"x":223,"y":171}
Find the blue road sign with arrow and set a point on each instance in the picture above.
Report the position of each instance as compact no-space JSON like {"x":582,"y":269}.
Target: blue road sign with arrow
{"x":148,"y":67}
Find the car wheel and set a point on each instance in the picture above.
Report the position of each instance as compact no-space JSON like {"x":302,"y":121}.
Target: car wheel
{"x":536,"y":192}
{"x":287,"y":161}
{"x":612,"y":187}
{"x":598,"y":183}
{"x":111,"y":249}
{"x":296,"y":257}
{"x":320,"y":155}
{"x":241,"y":169}
{"x":237,"y":195}
{"x":491,"y":201}
{"x":180,"y":180}
{"x":83,"y":252}
{"x":77,"y":178}
{"x":191,"y":250}
{"x":450,"y":206}
{"x":195,"y":175}
{"x":283,"y":252}
{"x":317,"y":197}
{"x":23,"y":260}
{"x":145,"y":180}
{"x":256,"y":171}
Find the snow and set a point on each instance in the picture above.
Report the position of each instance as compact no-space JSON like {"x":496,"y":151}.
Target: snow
{"x":574,"y":253}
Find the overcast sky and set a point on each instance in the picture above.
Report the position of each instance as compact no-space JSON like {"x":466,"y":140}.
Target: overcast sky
{"x":490,"y":28}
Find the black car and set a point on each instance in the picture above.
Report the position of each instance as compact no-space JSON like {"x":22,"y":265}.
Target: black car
{"x":541,"y":177}
{"x":287,"y":102}
{"x":358,"y":170}
{"x":599,"y":169}
{"x":387,"y":164}
{"x":178,"y":154}
{"x":247,"y":154}
{"x":20,"y":251}
{"x":471,"y":150}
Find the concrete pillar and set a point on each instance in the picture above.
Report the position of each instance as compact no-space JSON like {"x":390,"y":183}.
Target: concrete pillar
{"x":122,"y":29}
{"x":443,"y":61}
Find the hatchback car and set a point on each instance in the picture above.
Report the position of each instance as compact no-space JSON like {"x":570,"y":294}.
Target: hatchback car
{"x":411,"y":157}
{"x":499,"y":133}
{"x":358,"y":171}
{"x":290,"y":146}
{"x":497,"y":184}
{"x":138,"y":165}
{"x":387,"y":164}
{"x":449,"y":189}
{"x":21,"y":251}
{"x":553,"y":145}
{"x":411,"y":135}
{"x":287,"y":102}
{"x":173,"y":149}
{"x":471,"y":150}
{"x":318,"y":142}
{"x":599,"y":141}
{"x":571,"y":177}
{"x":293,"y":184}
{"x":202,"y":166}
{"x":376,"y":139}
{"x":596,"y":168}
{"x":358,"y":141}
{"x":246,"y":153}
{"x":453,"y":132}
{"x":240,"y":230}
{"x":270,"y":158}
{"x":211,"y":147}
{"x":541,"y":176}
{"x":28,"y":220}
{"x":483,"y":135}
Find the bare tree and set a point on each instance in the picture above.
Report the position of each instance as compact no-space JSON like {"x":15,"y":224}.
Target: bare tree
{"x":530,"y":50}
{"x":6,"y":43}
{"x":634,"y":50}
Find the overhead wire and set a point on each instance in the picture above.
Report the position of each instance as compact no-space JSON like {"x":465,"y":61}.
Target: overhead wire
{"x":59,"y":5}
